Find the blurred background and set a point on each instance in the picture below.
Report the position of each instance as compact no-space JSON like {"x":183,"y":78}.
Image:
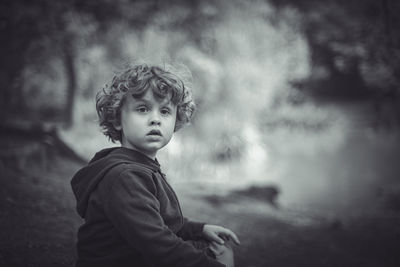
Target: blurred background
{"x":298,"y":120}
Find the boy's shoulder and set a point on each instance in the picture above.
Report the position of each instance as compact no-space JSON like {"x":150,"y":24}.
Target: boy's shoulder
{"x":131,"y":167}
{"x":130,"y":175}
{"x":125,"y":160}
{"x":105,"y":169}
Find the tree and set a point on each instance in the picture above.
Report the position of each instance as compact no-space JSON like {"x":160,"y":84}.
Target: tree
{"x":34,"y":32}
{"x":355,"y":52}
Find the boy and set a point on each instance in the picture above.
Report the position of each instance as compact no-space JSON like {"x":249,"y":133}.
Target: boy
{"x":132,"y":216}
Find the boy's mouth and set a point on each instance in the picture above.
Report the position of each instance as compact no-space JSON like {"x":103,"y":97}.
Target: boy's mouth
{"x":154,"y":132}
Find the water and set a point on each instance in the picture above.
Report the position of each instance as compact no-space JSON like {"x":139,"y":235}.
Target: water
{"x":348,"y":168}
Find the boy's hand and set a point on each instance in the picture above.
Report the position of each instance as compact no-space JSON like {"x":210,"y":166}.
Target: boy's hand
{"x":219,"y":234}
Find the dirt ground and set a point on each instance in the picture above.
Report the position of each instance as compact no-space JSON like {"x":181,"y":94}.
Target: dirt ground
{"x":38,"y":225}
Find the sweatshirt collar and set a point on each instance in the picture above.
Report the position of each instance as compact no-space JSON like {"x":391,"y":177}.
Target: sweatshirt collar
{"x":139,"y":157}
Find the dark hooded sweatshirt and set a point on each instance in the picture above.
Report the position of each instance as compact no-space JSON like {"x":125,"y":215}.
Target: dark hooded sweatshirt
{"x":132,"y":216}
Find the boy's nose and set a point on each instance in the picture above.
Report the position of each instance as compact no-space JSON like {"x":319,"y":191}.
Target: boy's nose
{"x":155,"y":120}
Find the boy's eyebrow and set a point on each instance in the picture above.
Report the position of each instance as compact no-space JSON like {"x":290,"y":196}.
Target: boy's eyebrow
{"x":170,"y":104}
{"x":140,"y":100}
{"x":148,"y":102}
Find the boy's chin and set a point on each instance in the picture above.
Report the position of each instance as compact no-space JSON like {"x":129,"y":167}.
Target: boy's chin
{"x":153,"y":148}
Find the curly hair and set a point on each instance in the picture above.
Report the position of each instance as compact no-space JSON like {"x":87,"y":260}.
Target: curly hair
{"x":135,"y":81}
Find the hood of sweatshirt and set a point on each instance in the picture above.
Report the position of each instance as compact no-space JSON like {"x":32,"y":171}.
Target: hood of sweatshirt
{"x":86,"y":180}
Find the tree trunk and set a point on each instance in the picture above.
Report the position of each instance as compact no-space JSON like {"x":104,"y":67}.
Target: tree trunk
{"x":69,"y":63}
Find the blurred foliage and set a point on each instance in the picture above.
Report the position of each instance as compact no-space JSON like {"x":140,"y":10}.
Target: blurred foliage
{"x":46,"y":38}
{"x":246,"y":58}
{"x":353,"y":45}
{"x":355,"y":48}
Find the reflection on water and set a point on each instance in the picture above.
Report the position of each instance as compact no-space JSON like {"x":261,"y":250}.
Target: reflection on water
{"x":354,"y":174}
{"x":349,"y":167}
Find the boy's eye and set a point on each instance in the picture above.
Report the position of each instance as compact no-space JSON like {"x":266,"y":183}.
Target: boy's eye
{"x":142,"y":109}
{"x":165,"y":111}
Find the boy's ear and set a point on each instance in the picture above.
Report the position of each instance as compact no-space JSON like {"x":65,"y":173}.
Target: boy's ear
{"x":117,"y":126}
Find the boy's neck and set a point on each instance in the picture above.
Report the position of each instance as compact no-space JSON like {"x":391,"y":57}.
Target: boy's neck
{"x":151,"y":156}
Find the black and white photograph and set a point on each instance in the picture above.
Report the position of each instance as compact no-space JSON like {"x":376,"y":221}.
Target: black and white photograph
{"x":199,"y":133}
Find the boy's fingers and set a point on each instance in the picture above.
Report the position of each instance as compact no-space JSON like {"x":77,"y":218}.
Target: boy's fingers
{"x":216,"y":248}
{"x":235,"y":239}
{"x":233,"y":236}
{"x":218,"y":239}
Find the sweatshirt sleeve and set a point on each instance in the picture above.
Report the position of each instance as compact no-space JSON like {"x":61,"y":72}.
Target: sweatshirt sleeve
{"x":134,"y":211}
{"x":191,"y":230}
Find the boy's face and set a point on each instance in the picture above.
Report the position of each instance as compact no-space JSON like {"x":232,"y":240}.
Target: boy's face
{"x":147,"y":123}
